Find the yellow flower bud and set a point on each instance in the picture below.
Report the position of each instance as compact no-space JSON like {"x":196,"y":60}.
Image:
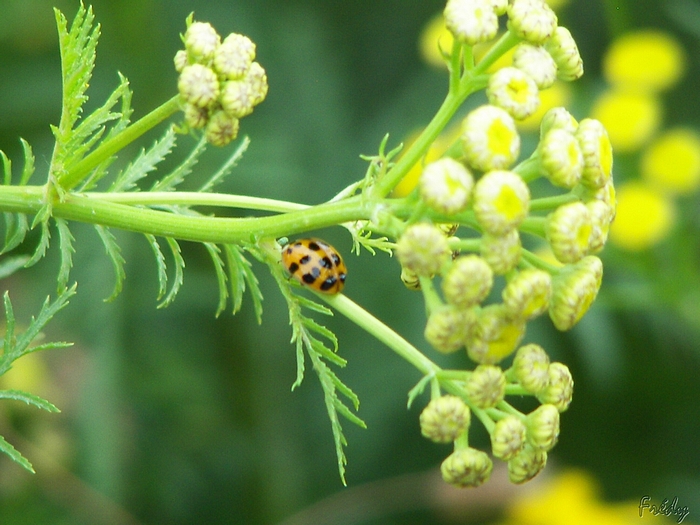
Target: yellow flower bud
{"x":444,"y":419}
{"x":531,"y":367}
{"x":543,"y":427}
{"x":560,"y":387}
{"x":486,"y":386}
{"x":507,"y":438}
{"x":526,"y":464}
{"x":466,"y":467}
{"x":490,"y":139}
{"x":468,"y":281}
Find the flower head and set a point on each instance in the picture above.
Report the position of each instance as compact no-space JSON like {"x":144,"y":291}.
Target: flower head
{"x":444,"y":419}
{"x":543,"y":427}
{"x":574,"y":289}
{"x":526,"y":464}
{"x":526,"y":295}
{"x":512,"y":89}
{"x":466,"y":467}
{"x":501,"y":201}
{"x":532,"y":20}
{"x":446,"y":186}
{"x":494,"y":336}
{"x":234,"y":56}
{"x":564,"y":51}
{"x":531,"y":367}
{"x":486,"y":386}
{"x":468,"y":281}
{"x":490,"y":139}
{"x":501,"y":252}
{"x":558,"y":118}
{"x":561,"y":160}
{"x":423,"y":249}
{"x":448,"y":328}
{"x":537,"y":63}
{"x":471,"y":21}
{"x":597,"y":153}
{"x":201,"y":41}
{"x":507,"y":438}
{"x":559,"y":389}
{"x":568,"y":230}
{"x":198,"y":85}
{"x":221,"y":128}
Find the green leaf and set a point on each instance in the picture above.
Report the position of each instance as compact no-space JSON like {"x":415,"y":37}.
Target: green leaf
{"x":9,"y":340}
{"x":114,"y":254}
{"x":160,"y":265}
{"x":6,"y":168}
{"x":11,"y":264}
{"x":179,"y":273}
{"x":28,"y":169}
{"x":418,"y":389}
{"x":65,"y":242}
{"x":44,"y":240}
{"x":15,"y":455}
{"x":16,"y":227}
{"x":175,"y":177}
{"x":215,"y":254}
{"x":145,"y":162}
{"x":236,"y":278}
{"x":28,"y":398}
{"x":252,"y":282}
{"x":227,"y":167}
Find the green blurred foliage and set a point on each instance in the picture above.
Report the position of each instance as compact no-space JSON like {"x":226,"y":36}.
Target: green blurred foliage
{"x":173,"y":416}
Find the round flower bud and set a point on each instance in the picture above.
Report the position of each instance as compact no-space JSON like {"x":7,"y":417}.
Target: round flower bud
{"x":466,"y":467}
{"x":468,"y":281}
{"x":574,"y":289}
{"x":561,"y":160}
{"x":513,"y":90}
{"x":447,"y":328}
{"x":532,"y":20}
{"x":423,"y":249}
{"x":526,"y":464}
{"x":257,"y":79}
{"x":444,"y":419}
{"x":471,"y":21}
{"x":494,"y":336}
{"x":527,"y":294}
{"x":531,"y":368}
{"x":543,"y":427}
{"x":602,"y":216}
{"x":180,"y":60}
{"x":564,"y":51}
{"x":568,"y":230}
{"x":537,"y":63}
{"x":501,"y":252}
{"x":201,"y":41}
{"x":507,"y":438}
{"x":490,"y":139}
{"x":445,"y":186}
{"x":597,"y":153}
{"x":221,"y":129}
{"x":198,"y":85}
{"x":558,"y":118}
{"x":559,"y":389}
{"x":237,"y":98}
{"x":486,"y":386}
{"x":234,"y":56}
{"x":196,"y":117}
{"x":501,"y":201}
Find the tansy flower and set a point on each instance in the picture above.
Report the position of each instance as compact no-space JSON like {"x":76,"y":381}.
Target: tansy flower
{"x":537,"y":63}
{"x":471,"y":21}
{"x":630,"y":117}
{"x":512,"y":89}
{"x":672,"y":161}
{"x":597,"y":152}
{"x":533,"y":21}
{"x":501,"y":201}
{"x":646,"y":60}
{"x":644,"y":216}
{"x":490,"y":139}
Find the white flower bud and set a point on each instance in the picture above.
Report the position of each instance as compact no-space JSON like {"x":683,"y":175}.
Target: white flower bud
{"x":501,"y":201}
{"x":568,"y":230}
{"x":446,"y":185}
{"x":471,"y":21}
{"x":490,"y":138}
{"x":198,"y":85}
{"x":513,"y":90}
{"x":561,"y":160}
{"x":201,"y":41}
{"x":564,"y":51}
{"x":532,"y":20}
{"x":537,"y":63}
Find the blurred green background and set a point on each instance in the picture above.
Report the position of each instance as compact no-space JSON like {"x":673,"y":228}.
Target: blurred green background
{"x":174,"y":417}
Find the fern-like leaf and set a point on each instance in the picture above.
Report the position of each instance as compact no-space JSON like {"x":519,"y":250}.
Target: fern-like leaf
{"x":45,"y":237}
{"x":16,"y":227}
{"x":145,"y":162}
{"x":30,"y":399}
{"x":9,"y":265}
{"x":175,"y":177}
{"x":15,"y":455}
{"x":215,"y":254}
{"x":28,"y":168}
{"x":115,"y":255}
{"x":219,"y":176}
{"x":160,"y":265}
{"x":65,"y":242}
{"x":179,"y":273}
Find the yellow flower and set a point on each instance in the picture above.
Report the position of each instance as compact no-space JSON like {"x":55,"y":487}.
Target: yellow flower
{"x":433,"y":39}
{"x":558,"y":95}
{"x":644,"y":216}
{"x":557,"y":4}
{"x":672,"y":161}
{"x":631,"y":118}
{"x":645,"y":60}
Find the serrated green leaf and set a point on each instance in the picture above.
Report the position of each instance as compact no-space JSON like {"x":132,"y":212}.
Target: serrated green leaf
{"x":115,"y":255}
{"x":65,"y":242}
{"x":313,"y":305}
{"x":175,"y":177}
{"x":6,"y":168}
{"x":346,"y":391}
{"x":145,"y":162}
{"x":236,"y":278}
{"x":15,"y":347}
{"x":48,"y":346}
{"x":215,"y":254}
{"x":160,"y":265}
{"x":28,"y":168}
{"x":325,"y":352}
{"x":9,"y":265}
{"x":344,"y":411}
{"x":179,"y":264}
{"x":44,"y":240}
{"x":15,"y":455}
{"x":321,"y":330}
{"x":30,"y":399}
{"x":16,"y":227}
{"x":219,"y":176}
{"x":418,"y":389}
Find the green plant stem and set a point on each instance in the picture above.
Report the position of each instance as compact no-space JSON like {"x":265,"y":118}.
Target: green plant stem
{"x":77,"y":207}
{"x":382,"y":332}
{"x":552,"y":203}
{"x":80,"y":170}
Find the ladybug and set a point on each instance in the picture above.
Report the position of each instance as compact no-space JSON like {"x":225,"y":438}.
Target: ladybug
{"x":316,"y":264}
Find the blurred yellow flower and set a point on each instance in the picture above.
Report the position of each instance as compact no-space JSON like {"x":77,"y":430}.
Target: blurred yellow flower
{"x":647,"y":60}
{"x":29,"y":374}
{"x":644,"y":216}
{"x":557,"y":4}
{"x":630,"y":118}
{"x":433,"y":38}
{"x":559,"y":95}
{"x":572,"y":498}
{"x":672,"y":161}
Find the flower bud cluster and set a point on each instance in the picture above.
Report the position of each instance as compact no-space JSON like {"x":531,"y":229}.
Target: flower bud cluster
{"x":491,"y":287}
{"x":219,"y":81}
